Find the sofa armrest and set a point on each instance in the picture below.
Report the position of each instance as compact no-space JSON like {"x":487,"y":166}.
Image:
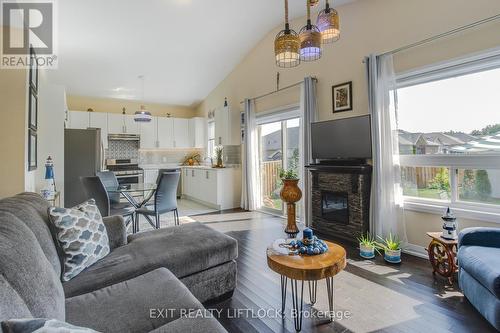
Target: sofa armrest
{"x":479,"y":236}
{"x":117,"y":231}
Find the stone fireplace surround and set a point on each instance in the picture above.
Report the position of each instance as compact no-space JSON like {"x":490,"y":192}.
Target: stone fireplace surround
{"x":337,"y":181}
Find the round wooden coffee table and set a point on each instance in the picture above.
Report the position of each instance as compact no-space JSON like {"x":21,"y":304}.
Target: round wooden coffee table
{"x":306,"y":268}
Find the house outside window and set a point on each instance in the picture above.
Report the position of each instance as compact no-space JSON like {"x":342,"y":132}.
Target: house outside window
{"x":211,"y":139}
{"x":449,"y":137}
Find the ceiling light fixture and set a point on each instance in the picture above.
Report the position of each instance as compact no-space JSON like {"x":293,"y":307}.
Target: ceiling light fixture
{"x":329,"y":24}
{"x":287,"y":45}
{"x":142,"y":116}
{"x":310,"y":39}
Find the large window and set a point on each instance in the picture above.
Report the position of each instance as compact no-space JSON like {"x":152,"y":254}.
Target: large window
{"x":449,"y":137}
{"x":211,"y":139}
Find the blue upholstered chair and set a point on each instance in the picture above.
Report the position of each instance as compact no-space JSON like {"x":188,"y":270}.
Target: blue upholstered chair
{"x":479,"y":270}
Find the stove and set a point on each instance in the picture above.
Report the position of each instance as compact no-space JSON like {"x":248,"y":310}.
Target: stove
{"x":127,"y":171}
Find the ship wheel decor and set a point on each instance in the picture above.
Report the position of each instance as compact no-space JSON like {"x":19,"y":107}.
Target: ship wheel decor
{"x":442,"y":255}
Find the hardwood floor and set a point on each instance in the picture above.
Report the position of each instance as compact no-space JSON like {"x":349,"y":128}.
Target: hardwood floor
{"x":378,"y":296}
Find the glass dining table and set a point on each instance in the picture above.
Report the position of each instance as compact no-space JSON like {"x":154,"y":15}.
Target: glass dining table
{"x":137,"y":194}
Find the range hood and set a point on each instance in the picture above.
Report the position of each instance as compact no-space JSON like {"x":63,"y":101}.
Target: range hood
{"x":124,"y":137}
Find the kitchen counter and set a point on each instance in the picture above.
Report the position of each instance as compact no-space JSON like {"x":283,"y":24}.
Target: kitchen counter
{"x":160,"y":166}
{"x":207,"y":167}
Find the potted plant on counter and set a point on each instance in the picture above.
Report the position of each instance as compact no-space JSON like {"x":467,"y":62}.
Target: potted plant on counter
{"x":392,"y":249}
{"x":219,"y":150}
{"x":290,"y":193}
{"x":367,"y":246}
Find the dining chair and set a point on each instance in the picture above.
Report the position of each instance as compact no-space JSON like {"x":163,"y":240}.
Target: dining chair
{"x":109,"y":179}
{"x":95,"y":189}
{"x":165,"y":199}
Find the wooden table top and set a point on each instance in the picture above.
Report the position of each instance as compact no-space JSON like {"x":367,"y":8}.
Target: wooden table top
{"x":437,"y":236}
{"x":303,"y":267}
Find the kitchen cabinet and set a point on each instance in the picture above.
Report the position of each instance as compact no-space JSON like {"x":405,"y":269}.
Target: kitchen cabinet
{"x":217,"y":188}
{"x":100,"y":120}
{"x":197,"y":132}
{"x":181,"y":133}
{"x":165,"y":132}
{"x":78,"y":119}
{"x":225,"y":133}
{"x":115,"y":123}
{"x":131,"y":126}
{"x":149,"y":134}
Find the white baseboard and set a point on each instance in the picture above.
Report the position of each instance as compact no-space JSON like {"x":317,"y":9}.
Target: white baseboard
{"x":416,"y":250}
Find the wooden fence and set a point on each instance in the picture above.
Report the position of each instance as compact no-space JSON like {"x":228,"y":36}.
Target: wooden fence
{"x":421,"y":176}
{"x":269,"y":174}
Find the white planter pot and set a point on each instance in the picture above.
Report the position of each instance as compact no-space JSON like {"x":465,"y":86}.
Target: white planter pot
{"x":392,"y":256}
{"x":367,"y":252}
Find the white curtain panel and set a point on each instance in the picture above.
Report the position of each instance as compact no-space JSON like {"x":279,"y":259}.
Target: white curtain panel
{"x":308,"y":105}
{"x":250,"y":190}
{"x":387,"y":214}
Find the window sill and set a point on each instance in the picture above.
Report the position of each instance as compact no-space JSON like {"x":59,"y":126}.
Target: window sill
{"x":460,"y":210}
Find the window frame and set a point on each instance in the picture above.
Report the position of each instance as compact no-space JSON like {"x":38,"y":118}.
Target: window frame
{"x":475,"y":63}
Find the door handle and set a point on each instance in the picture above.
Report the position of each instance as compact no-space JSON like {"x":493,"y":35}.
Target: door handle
{"x":207,"y":174}
{"x":220,"y":140}
{"x":192,"y":173}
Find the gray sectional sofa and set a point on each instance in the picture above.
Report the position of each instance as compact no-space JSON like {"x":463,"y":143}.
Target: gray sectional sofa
{"x":148,"y":283}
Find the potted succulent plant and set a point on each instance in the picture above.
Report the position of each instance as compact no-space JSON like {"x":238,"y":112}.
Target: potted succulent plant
{"x":392,"y":248}
{"x":290,"y":193}
{"x":367,"y":246}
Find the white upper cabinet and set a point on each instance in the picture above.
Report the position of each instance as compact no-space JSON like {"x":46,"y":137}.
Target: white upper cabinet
{"x":131,"y":126}
{"x":197,"y":132}
{"x":225,"y":132}
{"x":181,"y":133}
{"x":165,"y":132}
{"x":115,"y":123}
{"x":78,"y":119}
{"x":149,"y":134}
{"x":100,"y":120}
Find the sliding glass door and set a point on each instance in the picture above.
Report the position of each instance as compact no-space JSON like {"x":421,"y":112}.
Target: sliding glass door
{"x":279,"y":149}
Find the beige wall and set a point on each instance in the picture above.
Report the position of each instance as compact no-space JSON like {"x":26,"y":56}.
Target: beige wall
{"x":368,"y":26}
{"x":13,"y":135}
{"x":82,"y":103}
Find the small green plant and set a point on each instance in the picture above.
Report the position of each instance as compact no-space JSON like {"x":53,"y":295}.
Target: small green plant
{"x":218,"y":155}
{"x":288,"y":174}
{"x":390,"y":243}
{"x":367,"y":240}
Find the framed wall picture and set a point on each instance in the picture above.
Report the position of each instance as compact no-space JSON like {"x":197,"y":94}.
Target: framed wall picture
{"x":33,"y":70}
{"x":342,"y":97}
{"x":33,"y":110}
{"x":32,"y":150}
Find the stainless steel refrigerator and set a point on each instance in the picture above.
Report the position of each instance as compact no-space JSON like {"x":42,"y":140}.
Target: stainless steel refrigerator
{"x":83,"y":157}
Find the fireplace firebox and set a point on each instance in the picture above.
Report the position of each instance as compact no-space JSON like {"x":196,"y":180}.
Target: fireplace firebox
{"x":335,"y":206}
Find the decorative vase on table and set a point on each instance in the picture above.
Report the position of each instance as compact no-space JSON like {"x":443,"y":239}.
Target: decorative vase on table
{"x":291,"y":193}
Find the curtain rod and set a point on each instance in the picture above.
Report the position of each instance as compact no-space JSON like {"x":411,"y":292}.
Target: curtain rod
{"x":276,"y":91}
{"x":444,"y":34}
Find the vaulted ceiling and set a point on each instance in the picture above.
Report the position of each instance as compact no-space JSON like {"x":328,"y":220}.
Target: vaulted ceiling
{"x":184,"y":48}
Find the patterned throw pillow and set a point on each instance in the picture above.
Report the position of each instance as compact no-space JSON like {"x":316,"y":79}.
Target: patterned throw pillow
{"x":82,"y":236}
{"x":41,"y":325}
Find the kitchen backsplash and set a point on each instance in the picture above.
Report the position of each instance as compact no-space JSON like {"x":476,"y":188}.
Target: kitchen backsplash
{"x":232,"y":154}
{"x":168,"y":156}
{"x":122,"y":149}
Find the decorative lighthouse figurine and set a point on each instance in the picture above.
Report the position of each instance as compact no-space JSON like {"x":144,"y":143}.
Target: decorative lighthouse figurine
{"x":49,"y":190}
{"x":449,"y":226}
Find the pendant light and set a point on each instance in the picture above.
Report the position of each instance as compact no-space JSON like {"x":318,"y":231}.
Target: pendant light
{"x":142,"y":116}
{"x":310,"y":39}
{"x":329,"y":24}
{"x":287,"y":45}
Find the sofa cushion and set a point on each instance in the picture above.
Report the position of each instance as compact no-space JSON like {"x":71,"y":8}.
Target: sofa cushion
{"x":192,"y":325}
{"x":137,"y":305}
{"x":41,"y":325}
{"x":13,"y":305}
{"x":31,"y":209}
{"x":27,"y":272}
{"x":483,"y":264}
{"x":82,"y":236}
{"x":184,"y":250}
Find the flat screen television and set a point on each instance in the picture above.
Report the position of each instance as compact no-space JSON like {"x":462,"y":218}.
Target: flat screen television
{"x":343,"y":139}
